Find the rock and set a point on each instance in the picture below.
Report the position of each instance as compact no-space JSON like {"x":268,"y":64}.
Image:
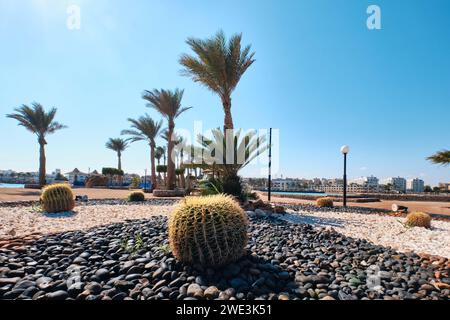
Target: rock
{"x":123,"y":285}
{"x":158,"y":273}
{"x":200,"y":281}
{"x":102,"y":274}
{"x":211,"y":292}
{"x":328,"y":298}
{"x":57,"y":295}
{"x":283,"y":297}
{"x":159,"y":284}
{"x":4,"y":281}
{"x":314,"y":279}
{"x":194,"y":290}
{"x":24,"y":284}
{"x":279,"y":209}
{"x":75,"y":289}
{"x":93,"y":287}
{"x":260,"y":213}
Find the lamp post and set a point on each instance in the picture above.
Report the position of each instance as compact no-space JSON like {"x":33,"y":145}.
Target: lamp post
{"x":345,"y":150}
{"x":269,"y":180}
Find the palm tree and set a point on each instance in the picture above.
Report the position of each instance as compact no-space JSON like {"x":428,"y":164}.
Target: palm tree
{"x":168,"y":103}
{"x":442,"y":157}
{"x":159,"y":153}
{"x":246,"y":147}
{"x":225,"y":164}
{"x":146,"y":129}
{"x":118,"y":145}
{"x":218,"y":66}
{"x":41,"y":123}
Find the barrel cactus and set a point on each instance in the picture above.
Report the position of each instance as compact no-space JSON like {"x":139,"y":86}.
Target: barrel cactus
{"x":418,"y":219}
{"x":209,"y":230}
{"x":136,"y":196}
{"x":325,"y":202}
{"x":57,"y":198}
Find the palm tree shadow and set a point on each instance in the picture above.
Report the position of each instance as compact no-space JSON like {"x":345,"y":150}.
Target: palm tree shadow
{"x":66,"y":214}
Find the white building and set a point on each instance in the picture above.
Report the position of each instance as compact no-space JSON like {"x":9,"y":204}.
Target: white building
{"x":76,"y":176}
{"x":367,"y":184}
{"x":415,"y":185}
{"x":398,"y":183}
{"x":284,"y":184}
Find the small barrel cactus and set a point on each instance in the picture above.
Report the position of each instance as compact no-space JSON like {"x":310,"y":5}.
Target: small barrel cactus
{"x":57,"y":198}
{"x":325,"y":202}
{"x":418,"y":219}
{"x":209,"y":230}
{"x":136,"y":196}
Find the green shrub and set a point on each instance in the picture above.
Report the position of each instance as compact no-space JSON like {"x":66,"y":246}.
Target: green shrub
{"x":112,"y":172}
{"x":57,"y":198}
{"x":232,"y":185}
{"x":135,"y":183}
{"x":136,"y":196}
{"x":325,"y":202}
{"x":418,"y":219}
{"x":209,"y":230}
{"x":179,"y":171}
{"x":210,"y":187}
{"x":161,"y":168}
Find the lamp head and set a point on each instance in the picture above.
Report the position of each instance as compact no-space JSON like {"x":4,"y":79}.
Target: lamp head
{"x":345,"y":149}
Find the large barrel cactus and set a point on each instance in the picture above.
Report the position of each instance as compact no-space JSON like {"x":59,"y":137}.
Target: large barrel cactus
{"x":57,"y":198}
{"x":209,"y":230}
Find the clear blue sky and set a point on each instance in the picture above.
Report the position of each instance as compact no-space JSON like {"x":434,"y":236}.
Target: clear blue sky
{"x":321,"y":77}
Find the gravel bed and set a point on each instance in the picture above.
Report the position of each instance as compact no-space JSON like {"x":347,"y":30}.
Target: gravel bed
{"x":383,"y":230}
{"x":20,"y":221}
{"x":131,"y":260}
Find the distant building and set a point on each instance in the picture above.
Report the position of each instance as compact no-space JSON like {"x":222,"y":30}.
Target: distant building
{"x":284,"y":184}
{"x":415,"y":185}
{"x":76,"y":177}
{"x":398,"y":183}
{"x":366,"y":184}
{"x":444,"y":186}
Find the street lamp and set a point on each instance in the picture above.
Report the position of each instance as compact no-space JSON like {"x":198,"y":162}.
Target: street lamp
{"x":345,"y":150}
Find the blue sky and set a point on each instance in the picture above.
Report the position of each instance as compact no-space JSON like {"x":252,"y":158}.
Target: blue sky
{"x":320,"y":76}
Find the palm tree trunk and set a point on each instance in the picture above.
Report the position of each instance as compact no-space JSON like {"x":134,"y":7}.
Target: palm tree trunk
{"x":42,"y":161}
{"x":119,"y":166}
{"x":228,"y":120}
{"x":170,"y":163}
{"x":153,"y":171}
{"x":183,"y":179}
{"x":165,"y":173}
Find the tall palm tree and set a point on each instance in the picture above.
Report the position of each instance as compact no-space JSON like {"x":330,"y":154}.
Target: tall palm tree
{"x":442,"y":157}
{"x":218,"y":66}
{"x":146,"y":129}
{"x":41,"y":123}
{"x":118,"y":145}
{"x":168,"y":104}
